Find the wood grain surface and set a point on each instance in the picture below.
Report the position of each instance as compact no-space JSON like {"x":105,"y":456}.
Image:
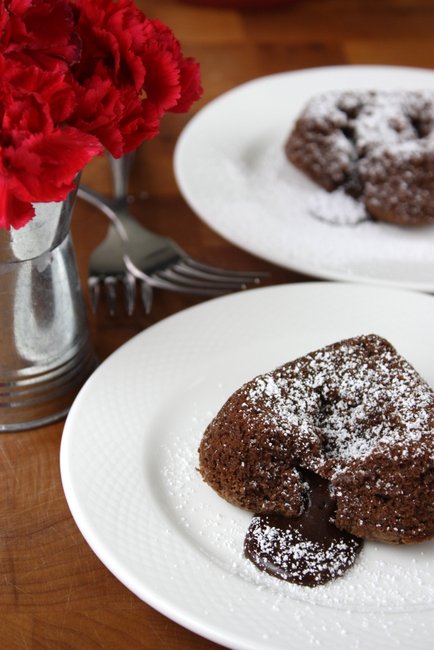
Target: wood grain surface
{"x":54,"y":592}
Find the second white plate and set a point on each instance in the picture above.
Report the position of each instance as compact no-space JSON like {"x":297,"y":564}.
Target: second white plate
{"x":129,"y":458}
{"x":230,"y":167}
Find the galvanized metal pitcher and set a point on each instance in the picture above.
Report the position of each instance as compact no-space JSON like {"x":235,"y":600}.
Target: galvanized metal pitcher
{"x":45,"y":347}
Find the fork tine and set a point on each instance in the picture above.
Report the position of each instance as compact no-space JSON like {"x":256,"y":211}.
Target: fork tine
{"x":199,"y":282}
{"x":146,"y":295}
{"x":186,"y":271}
{"x":146,"y":282}
{"x":94,"y":286}
{"x":247,"y":276}
{"x":129,"y":283}
{"x":194,"y":288}
{"x":208,"y":290}
{"x":110,"y":287}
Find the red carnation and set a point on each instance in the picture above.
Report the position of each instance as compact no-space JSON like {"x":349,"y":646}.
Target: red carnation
{"x":78,"y":76}
{"x":30,"y":171}
{"x":34,"y":103}
{"x":144,"y":62}
{"x":40,"y":32}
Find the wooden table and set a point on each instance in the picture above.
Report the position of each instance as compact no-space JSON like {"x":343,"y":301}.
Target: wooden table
{"x":54,"y":592}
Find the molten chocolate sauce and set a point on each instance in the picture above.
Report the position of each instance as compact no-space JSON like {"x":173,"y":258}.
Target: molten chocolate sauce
{"x":307,"y":550}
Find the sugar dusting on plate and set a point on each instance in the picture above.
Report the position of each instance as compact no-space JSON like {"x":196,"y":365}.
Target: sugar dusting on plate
{"x":336,"y":208}
{"x":385,"y":578}
{"x":260,"y":201}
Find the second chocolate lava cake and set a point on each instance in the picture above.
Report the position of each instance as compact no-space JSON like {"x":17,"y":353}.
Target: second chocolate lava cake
{"x":378,"y":146}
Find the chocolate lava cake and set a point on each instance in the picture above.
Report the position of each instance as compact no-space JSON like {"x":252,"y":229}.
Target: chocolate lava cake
{"x":354,"y":413}
{"x":377,"y":146}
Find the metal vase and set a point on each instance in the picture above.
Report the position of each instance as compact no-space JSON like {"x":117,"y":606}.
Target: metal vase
{"x":45,"y":347}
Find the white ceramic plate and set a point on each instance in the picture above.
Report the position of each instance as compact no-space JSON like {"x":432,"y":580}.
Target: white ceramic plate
{"x":129,"y":453}
{"x":231,"y":169}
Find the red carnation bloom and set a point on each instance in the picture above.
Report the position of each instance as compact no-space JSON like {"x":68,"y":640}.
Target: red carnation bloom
{"x":30,"y":171}
{"x":172,"y":81}
{"x":191,"y":88}
{"x":33,"y":103}
{"x":99,"y":110}
{"x":144,"y":62}
{"x":77,"y":76}
{"x":40,"y":32}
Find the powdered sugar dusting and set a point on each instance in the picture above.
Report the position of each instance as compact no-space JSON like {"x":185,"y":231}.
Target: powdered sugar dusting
{"x":378,"y":118}
{"x":356,"y":405}
{"x":294,"y":557}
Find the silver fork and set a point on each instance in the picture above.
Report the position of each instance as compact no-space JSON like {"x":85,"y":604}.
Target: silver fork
{"x":131,"y":252}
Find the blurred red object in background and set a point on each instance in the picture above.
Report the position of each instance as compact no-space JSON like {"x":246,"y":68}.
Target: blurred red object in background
{"x":242,"y":4}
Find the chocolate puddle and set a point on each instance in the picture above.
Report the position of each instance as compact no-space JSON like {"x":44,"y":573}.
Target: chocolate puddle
{"x":308,"y":550}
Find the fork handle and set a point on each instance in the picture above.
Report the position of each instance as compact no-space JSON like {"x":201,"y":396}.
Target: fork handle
{"x":95,"y":199}
{"x":120,"y":169}
{"x":129,"y":230}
